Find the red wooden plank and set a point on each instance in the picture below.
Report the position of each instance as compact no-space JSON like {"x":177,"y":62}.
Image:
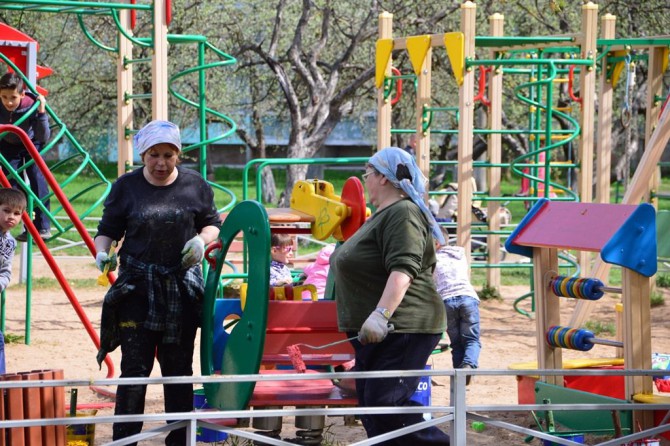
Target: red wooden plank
{"x":579,"y":226}
{"x":320,"y":392}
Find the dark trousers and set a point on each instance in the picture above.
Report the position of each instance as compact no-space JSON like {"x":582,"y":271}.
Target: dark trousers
{"x":399,"y":351}
{"x":139,"y":346}
{"x":38,"y":184}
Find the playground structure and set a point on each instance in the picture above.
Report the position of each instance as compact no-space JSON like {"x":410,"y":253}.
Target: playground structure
{"x":623,"y":235}
{"x":263,"y":327}
{"x":464,"y":62}
{"x":592,"y":65}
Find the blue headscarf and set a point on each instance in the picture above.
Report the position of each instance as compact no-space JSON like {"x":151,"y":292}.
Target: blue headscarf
{"x":386,"y":162}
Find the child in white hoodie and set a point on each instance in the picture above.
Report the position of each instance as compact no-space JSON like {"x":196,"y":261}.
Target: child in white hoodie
{"x":452,"y":280}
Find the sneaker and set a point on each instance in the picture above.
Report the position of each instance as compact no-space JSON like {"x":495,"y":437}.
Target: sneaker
{"x":468,"y":378}
{"x":44,"y":234}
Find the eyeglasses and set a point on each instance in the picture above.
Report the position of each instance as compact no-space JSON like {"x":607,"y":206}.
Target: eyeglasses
{"x":287,"y":248}
{"x":367,"y":174}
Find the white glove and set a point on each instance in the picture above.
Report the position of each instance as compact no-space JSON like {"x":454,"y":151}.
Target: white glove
{"x":374,"y":329}
{"x":193,"y":252}
{"x":102,"y":259}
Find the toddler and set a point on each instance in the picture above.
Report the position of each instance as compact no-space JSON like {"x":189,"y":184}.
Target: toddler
{"x":281,"y":252}
{"x":12,"y":205}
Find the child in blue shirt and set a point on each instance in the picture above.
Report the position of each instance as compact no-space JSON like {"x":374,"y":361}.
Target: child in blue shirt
{"x":12,"y":205}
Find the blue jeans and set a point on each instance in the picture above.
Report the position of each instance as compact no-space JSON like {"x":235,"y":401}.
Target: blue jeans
{"x":38,"y":184}
{"x":399,"y":351}
{"x":463,"y":330}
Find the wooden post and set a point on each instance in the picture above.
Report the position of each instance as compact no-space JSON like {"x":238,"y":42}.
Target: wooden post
{"x":15,"y":411}
{"x":59,"y":406}
{"x":654,"y":88}
{"x":124,"y":87}
{"x":159,"y":63}
{"x":423,"y":99}
{"x":635,"y":297}
{"x":604,"y":153}
{"x":383,"y":106}
{"x":32,"y":409}
{"x":465,"y":131}
{"x":587,"y":84}
{"x":496,"y":23}
{"x":547,"y":312}
{"x":587,"y":90}
{"x":47,"y":406}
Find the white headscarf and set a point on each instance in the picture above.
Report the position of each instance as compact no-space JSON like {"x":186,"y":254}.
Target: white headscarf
{"x":386,"y":162}
{"x":157,"y":132}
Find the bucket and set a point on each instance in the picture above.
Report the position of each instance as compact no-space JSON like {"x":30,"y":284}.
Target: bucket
{"x":577,"y":438}
{"x":202,"y":433}
{"x":422,"y":395}
{"x":81,"y":434}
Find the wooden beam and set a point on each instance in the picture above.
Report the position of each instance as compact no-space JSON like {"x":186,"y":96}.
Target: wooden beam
{"x":604,"y":149}
{"x":124,"y":87}
{"x":465,"y":131}
{"x":496,"y":24}
{"x":384,"y":106}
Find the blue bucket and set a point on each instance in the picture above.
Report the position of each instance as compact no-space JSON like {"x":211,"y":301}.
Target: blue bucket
{"x":577,"y":438}
{"x":422,"y":395}
{"x":204,"y":434}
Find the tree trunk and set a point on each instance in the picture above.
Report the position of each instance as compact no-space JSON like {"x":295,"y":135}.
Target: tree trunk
{"x":294,"y":174}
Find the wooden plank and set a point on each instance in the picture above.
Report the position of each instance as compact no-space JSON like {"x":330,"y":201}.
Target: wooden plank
{"x":124,"y":86}
{"x":424,"y":85}
{"x":285,"y":216}
{"x":604,"y":152}
{"x":637,"y":338}
{"x":654,"y":89}
{"x":496,"y":22}
{"x":159,"y":63}
{"x":32,"y":409}
{"x":587,"y":88}
{"x":384,"y":106}
{"x":321,"y":392}
{"x":465,"y":131}
{"x":547,"y":312}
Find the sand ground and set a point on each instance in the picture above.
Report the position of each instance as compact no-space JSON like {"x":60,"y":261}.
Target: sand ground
{"x":59,"y":341}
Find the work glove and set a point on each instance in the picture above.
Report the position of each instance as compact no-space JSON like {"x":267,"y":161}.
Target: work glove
{"x":374,"y":329}
{"x":102,"y":259}
{"x":193,"y":252}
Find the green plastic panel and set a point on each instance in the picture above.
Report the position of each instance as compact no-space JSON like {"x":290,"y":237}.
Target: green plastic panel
{"x":581,"y":420}
{"x":244,"y":347}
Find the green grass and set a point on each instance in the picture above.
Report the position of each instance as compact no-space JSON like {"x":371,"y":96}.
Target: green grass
{"x":45,"y":283}
{"x":598,"y":327}
{"x":85,"y":190}
{"x":656,"y":299}
{"x":11,"y":338}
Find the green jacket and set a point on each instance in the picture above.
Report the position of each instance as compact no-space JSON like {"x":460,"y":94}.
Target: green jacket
{"x":397,"y":238}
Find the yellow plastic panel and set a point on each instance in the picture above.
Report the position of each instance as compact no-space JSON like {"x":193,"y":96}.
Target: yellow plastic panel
{"x":455,"y":45}
{"x":382,"y":56}
{"x":417,"y":47}
{"x":318,"y":200}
